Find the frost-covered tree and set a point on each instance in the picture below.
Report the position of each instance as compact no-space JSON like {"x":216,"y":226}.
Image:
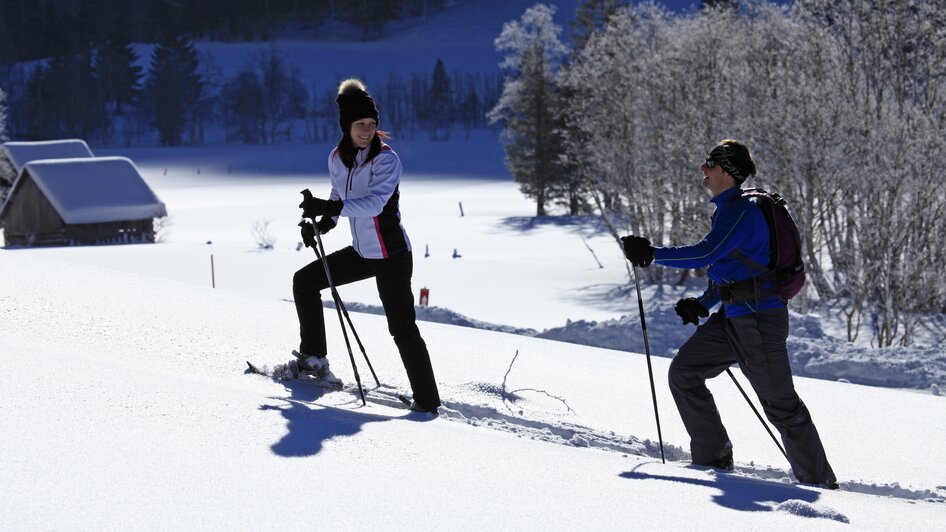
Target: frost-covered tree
{"x":890,"y":82}
{"x":721,"y":4}
{"x":592,"y":16}
{"x":3,"y":115}
{"x":5,"y":168}
{"x":842,"y":104}
{"x":637,"y":131}
{"x":529,"y":107}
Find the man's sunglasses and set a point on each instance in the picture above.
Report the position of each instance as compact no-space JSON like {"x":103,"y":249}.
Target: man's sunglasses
{"x":718,"y":157}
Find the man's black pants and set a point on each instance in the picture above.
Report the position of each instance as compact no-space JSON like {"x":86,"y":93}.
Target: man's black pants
{"x":393,"y":276}
{"x":757,"y":342}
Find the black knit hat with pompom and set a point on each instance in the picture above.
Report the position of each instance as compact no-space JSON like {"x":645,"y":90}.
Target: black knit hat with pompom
{"x":354,"y":103}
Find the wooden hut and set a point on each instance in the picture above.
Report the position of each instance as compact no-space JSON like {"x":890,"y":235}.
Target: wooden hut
{"x":99,"y":200}
{"x":15,"y":155}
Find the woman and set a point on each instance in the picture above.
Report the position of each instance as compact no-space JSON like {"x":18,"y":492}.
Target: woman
{"x":365,"y":175}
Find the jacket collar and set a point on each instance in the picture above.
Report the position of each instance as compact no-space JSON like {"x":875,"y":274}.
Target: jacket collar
{"x":727,"y":195}
{"x":361,"y":155}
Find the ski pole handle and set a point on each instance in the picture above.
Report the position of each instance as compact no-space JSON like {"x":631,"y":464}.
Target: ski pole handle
{"x":306,"y":196}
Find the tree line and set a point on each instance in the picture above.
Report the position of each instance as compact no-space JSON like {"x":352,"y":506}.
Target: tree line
{"x":841,"y":101}
{"x":103,"y":95}
{"x":38,"y":29}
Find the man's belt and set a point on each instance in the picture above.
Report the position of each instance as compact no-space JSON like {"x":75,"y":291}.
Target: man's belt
{"x":752,"y":289}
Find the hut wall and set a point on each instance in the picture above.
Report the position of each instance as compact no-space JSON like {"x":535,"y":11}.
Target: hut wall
{"x":123,"y":232}
{"x":30,"y":218}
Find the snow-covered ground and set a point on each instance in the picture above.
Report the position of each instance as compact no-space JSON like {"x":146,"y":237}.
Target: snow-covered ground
{"x":125,"y":403}
{"x":125,"y":406}
{"x":515,"y":272}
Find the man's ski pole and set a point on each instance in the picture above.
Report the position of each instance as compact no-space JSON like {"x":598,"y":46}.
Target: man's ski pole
{"x":754,"y":409}
{"x":650,"y":371}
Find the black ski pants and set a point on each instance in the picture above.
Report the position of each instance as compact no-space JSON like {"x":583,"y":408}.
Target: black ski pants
{"x":757,"y":343}
{"x":393,"y":276}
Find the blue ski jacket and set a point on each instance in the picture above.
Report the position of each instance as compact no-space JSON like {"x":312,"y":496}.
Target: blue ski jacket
{"x":737,"y":224}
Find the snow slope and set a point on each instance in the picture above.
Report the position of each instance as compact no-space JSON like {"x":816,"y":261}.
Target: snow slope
{"x":516,"y":273}
{"x":125,"y":405}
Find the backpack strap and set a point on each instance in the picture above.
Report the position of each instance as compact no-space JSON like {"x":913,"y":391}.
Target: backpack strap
{"x":738,"y":255}
{"x":749,"y":289}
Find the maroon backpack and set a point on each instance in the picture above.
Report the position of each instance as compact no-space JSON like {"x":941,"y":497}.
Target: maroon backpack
{"x":784,"y":243}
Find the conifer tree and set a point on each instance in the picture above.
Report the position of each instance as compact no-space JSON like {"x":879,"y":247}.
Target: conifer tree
{"x":243,"y":107}
{"x":469,"y":110}
{"x":118,"y":74}
{"x":529,"y":105}
{"x":370,"y":16}
{"x":440,"y":107}
{"x":174,"y":87}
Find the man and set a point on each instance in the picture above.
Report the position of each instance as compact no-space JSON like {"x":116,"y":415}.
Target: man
{"x":749,"y":329}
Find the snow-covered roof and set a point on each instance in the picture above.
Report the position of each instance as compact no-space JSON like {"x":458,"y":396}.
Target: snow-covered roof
{"x":93,"y":190}
{"x":22,"y":153}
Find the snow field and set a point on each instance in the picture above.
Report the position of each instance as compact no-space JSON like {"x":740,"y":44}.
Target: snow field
{"x":126,"y":405}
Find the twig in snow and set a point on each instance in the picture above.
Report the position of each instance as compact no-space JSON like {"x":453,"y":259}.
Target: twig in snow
{"x":600,"y":266}
{"x":506,"y":394}
{"x":513,"y":361}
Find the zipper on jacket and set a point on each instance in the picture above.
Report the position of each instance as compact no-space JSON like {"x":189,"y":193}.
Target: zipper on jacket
{"x":354,"y":229}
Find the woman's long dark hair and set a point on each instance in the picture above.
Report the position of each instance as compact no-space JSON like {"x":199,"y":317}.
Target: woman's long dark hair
{"x":348,"y":151}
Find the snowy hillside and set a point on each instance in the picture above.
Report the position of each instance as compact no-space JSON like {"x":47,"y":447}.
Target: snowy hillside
{"x":516,"y":273}
{"x":125,"y":405}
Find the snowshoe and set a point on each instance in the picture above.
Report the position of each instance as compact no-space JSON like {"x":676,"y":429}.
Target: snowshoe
{"x":724,"y":462}
{"x":314,"y":367}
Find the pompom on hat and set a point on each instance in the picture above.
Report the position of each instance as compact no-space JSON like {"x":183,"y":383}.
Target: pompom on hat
{"x":354,"y":103}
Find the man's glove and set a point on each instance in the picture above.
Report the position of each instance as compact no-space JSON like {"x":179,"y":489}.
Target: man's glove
{"x":691,"y":310}
{"x":312,"y":207}
{"x":308,"y":234}
{"x":638,"y":250}
{"x":325,"y":224}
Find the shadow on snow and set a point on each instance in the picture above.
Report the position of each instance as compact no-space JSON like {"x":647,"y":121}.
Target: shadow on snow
{"x":587,"y":225}
{"x":738,"y":493}
{"x":310,"y":425}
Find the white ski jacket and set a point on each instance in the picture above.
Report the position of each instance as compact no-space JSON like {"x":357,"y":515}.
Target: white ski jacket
{"x":369,"y":193}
